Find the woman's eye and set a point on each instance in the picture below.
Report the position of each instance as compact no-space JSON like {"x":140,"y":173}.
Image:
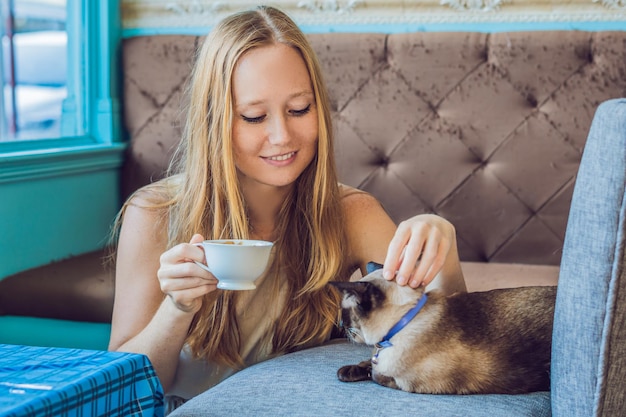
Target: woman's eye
{"x":258,"y":119}
{"x":301,"y":112}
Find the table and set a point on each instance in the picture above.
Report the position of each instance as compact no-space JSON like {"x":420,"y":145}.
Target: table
{"x":41,"y":381}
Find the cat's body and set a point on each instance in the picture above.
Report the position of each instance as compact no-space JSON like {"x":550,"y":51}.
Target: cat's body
{"x":497,"y":341}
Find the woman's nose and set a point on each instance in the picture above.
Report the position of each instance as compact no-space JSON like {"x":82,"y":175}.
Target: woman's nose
{"x":278,"y":130}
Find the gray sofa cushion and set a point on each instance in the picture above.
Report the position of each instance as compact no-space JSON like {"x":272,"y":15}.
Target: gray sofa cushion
{"x":305,"y":384}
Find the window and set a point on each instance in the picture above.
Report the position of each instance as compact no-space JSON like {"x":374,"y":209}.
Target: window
{"x":34,"y":69}
{"x":83,"y":97}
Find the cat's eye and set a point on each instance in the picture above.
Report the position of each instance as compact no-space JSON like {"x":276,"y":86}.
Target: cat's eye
{"x":360,"y":308}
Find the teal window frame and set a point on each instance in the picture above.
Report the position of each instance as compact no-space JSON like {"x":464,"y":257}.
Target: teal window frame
{"x":91,"y":118}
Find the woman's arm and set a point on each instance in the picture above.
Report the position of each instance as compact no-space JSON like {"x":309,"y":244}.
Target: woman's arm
{"x":145,"y":320}
{"x":373,"y":236}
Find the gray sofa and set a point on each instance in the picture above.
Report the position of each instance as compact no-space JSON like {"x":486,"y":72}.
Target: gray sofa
{"x":589,"y":340}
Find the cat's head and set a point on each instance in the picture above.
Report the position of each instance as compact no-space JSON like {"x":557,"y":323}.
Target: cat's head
{"x":372,"y":305}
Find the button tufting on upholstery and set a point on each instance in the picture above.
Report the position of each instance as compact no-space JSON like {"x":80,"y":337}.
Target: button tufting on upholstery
{"x":486,"y":130}
{"x":532,"y":100}
{"x":382,"y":161}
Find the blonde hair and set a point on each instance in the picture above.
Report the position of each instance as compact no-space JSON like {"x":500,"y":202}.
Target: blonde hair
{"x":202,"y":195}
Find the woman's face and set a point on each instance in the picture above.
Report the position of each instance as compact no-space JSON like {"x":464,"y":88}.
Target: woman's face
{"x":275,"y":125}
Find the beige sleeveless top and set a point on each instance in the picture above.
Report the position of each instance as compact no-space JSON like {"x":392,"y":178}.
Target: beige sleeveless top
{"x":256,"y":313}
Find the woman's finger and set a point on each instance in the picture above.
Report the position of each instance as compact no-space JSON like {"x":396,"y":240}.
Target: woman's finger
{"x":395,"y":251}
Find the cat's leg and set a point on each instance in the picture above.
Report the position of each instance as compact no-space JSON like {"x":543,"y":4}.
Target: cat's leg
{"x":385,"y":380}
{"x":354,"y":373}
{"x":363,"y":372}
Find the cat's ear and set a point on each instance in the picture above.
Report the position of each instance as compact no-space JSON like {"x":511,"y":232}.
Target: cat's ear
{"x":357,"y":288}
{"x":373,"y":266}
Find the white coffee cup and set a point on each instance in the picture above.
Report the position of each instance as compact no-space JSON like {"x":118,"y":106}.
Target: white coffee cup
{"x":236,"y":263}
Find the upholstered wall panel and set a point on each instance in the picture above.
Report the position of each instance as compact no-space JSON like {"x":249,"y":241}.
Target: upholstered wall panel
{"x":484,"y":129}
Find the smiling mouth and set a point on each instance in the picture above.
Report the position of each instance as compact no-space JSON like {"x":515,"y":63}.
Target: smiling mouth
{"x":283,"y":157}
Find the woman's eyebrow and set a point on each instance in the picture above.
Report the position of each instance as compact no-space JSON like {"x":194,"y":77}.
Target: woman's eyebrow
{"x":301,"y":93}
{"x":290,"y":97}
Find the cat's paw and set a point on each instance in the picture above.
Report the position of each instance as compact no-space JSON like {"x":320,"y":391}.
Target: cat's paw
{"x":354,"y":373}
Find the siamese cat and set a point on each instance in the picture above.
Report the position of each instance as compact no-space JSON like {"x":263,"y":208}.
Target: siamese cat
{"x":489,"y":342}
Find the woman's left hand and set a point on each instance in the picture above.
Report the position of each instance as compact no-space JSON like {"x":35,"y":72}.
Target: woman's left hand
{"x":419,"y":250}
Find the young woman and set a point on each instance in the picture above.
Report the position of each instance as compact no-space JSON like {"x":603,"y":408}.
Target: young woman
{"x":256,"y":161}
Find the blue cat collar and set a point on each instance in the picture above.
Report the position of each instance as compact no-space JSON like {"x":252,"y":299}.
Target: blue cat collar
{"x":410,"y":315}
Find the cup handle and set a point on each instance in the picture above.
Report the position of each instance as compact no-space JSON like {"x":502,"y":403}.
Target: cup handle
{"x":200,"y":264}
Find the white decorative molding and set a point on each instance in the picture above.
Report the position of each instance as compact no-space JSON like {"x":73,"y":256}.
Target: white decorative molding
{"x":612,"y":4}
{"x":474,"y":5}
{"x":194,"y":7}
{"x":198,"y":14}
{"x":330,"y":5}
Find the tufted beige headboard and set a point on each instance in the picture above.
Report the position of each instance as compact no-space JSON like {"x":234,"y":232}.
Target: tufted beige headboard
{"x":484,"y":129}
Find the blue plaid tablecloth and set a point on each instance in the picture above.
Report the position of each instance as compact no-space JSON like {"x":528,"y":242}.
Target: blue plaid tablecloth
{"x":39,"y":381}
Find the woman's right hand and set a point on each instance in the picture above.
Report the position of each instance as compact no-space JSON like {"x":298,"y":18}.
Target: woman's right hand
{"x":184,"y":282}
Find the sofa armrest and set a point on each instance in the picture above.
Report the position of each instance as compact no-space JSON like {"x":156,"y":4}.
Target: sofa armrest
{"x":589,"y":340}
